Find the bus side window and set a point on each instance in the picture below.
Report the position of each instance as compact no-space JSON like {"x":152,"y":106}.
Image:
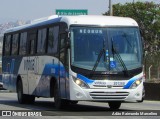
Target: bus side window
{"x":7,"y":45}
{"x":53,"y":39}
{"x":15,"y":44}
{"x":32,"y":42}
{"x":42,"y":35}
{"x":23,"y":43}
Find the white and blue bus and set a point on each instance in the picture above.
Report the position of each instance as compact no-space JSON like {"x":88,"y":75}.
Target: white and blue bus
{"x":75,"y":58}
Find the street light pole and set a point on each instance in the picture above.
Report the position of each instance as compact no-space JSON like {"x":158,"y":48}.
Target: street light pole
{"x":110,"y":8}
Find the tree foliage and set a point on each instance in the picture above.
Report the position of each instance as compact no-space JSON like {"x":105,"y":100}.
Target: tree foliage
{"x":147,"y":14}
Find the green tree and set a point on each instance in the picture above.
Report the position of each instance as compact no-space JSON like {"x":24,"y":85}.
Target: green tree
{"x":147,"y":15}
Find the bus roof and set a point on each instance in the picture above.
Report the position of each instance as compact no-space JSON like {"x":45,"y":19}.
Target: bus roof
{"x":81,"y":20}
{"x":99,"y":20}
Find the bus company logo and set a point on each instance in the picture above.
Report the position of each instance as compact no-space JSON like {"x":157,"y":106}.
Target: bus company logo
{"x":100,"y":83}
{"x":90,"y":31}
{"x":29,"y":64}
{"x":6,"y":113}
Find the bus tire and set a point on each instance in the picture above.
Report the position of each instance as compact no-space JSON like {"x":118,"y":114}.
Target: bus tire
{"x":114,"y":105}
{"x":21,"y":97}
{"x":59,"y":103}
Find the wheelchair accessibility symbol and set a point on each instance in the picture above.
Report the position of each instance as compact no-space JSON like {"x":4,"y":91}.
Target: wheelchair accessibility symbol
{"x":112,"y":64}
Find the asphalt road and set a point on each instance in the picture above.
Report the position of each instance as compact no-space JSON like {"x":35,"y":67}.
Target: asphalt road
{"x":83,"y":110}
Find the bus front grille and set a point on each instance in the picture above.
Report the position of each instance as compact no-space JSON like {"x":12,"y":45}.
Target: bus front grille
{"x":109,"y":95}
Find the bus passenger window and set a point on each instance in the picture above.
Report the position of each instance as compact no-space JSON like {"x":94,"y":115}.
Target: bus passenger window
{"x":32,"y":39}
{"x":41,"y":41}
{"x":7,"y":45}
{"x":15,"y":44}
{"x":23,"y":43}
{"x":53,"y":39}
{"x":32,"y":47}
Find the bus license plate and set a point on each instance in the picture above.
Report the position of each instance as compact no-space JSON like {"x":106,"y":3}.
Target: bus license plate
{"x":119,"y":83}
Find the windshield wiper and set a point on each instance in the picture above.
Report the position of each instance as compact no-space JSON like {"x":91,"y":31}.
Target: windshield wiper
{"x":97,"y":62}
{"x":114,"y":51}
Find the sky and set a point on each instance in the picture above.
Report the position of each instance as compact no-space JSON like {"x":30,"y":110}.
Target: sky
{"x":12,"y":10}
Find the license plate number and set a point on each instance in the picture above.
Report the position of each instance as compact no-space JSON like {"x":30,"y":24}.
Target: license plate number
{"x":119,"y":83}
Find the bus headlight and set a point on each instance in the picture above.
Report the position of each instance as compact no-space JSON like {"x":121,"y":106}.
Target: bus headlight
{"x":136,"y":83}
{"x":80,"y":83}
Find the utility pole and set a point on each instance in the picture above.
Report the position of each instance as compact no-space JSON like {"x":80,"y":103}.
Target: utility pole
{"x":110,"y":7}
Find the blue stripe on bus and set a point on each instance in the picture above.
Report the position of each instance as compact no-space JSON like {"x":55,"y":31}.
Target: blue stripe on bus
{"x":55,"y":67}
{"x":85,"y":79}
{"x":53,"y":70}
{"x":130,"y":82}
{"x":50,"y":70}
{"x":12,"y":66}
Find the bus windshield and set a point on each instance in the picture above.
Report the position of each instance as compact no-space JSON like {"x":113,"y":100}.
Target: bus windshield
{"x":121,"y":45}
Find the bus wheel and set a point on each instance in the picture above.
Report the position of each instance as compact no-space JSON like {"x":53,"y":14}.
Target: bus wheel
{"x":114,"y":105}
{"x":23,"y":98}
{"x":59,"y":103}
{"x":20,"y":95}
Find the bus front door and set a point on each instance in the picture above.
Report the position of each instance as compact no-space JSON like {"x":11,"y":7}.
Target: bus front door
{"x":62,"y":65}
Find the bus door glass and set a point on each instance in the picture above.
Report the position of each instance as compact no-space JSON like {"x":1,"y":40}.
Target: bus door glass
{"x":63,"y":63}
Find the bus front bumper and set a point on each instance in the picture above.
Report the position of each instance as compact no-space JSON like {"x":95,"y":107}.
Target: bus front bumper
{"x":128,"y":95}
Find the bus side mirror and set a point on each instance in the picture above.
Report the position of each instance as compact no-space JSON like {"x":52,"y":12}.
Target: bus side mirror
{"x":68,"y":42}
{"x":66,"y":36}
